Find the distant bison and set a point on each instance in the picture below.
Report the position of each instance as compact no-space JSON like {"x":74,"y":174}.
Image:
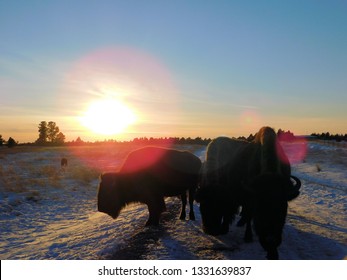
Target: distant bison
{"x":63,"y":162}
{"x":147,"y":176}
{"x":255,"y":175}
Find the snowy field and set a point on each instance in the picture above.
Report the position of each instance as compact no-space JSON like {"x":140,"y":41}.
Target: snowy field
{"x":50,"y":213}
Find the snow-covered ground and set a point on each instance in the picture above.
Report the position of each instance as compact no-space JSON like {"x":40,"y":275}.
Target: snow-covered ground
{"x":49,"y":213}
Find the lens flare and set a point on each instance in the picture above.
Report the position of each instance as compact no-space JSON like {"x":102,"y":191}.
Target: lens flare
{"x":250,"y":120}
{"x":294,"y":148}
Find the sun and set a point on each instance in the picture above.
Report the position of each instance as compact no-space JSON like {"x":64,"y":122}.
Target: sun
{"x":108,"y":117}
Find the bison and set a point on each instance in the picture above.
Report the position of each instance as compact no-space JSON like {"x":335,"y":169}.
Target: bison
{"x":63,"y":162}
{"x":147,"y":176}
{"x":254,"y":175}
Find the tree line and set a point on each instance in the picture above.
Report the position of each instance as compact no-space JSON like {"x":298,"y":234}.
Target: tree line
{"x":9,"y":143}
{"x":328,"y":136}
{"x":50,"y":134}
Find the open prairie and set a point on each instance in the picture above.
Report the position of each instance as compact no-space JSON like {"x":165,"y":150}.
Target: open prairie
{"x":49,"y":212}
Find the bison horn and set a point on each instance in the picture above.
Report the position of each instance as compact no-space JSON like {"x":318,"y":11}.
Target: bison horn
{"x":294,"y":192}
{"x":297,"y":185}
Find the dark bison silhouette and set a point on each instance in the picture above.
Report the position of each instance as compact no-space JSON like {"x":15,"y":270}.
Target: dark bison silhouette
{"x":255,"y":175}
{"x":147,"y":176}
{"x":63,"y":162}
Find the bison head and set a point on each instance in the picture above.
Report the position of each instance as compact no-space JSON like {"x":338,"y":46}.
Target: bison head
{"x":109,"y":195}
{"x":214,"y":209}
{"x":270,"y":194}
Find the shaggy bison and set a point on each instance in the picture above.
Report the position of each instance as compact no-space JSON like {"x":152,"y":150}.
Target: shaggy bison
{"x":255,"y":175}
{"x":147,"y":176}
{"x":63,"y":162}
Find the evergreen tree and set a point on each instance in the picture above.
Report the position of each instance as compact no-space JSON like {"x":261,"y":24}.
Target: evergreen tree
{"x":49,"y":133}
{"x":11,"y":142}
{"x":1,"y":140}
{"x":79,"y":141}
{"x":60,"y":139}
{"x":43,"y":130}
{"x":52,"y":131}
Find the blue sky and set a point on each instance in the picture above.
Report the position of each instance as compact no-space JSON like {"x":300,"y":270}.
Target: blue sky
{"x":188,"y":68}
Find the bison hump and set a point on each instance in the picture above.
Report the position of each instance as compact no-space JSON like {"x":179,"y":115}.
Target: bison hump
{"x":149,"y":158}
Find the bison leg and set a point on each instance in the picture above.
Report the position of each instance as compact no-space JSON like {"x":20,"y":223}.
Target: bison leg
{"x":191,"y":206}
{"x":155,"y":208}
{"x":243,"y":219}
{"x":247,"y":219}
{"x":184,"y":204}
{"x":272,"y":254}
{"x":248,"y":233}
{"x":270,"y":242}
{"x":225,"y":224}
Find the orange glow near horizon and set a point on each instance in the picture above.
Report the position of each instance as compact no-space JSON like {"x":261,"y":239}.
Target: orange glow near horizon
{"x":120,"y":91}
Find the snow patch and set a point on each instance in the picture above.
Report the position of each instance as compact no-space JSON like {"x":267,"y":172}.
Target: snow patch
{"x":46,"y":213}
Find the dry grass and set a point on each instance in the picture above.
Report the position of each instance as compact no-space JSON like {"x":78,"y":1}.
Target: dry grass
{"x":31,"y":169}
{"x":33,"y":195}
{"x":83,"y":174}
{"x":13,"y":185}
{"x":49,"y":171}
{"x":9,"y":181}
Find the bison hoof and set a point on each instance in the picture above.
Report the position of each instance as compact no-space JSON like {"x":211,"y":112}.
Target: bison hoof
{"x":272,"y":257}
{"x":151,"y":223}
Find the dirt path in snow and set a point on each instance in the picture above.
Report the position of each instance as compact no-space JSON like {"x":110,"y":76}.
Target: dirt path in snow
{"x":141,"y":244}
{"x":305,"y":236}
{"x":176,"y":239}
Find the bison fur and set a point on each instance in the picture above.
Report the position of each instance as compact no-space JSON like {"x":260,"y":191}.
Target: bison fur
{"x":63,"y":162}
{"x":147,"y":176}
{"x":253,"y":175}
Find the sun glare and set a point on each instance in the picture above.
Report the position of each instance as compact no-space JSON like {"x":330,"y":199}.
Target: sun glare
{"x":108,"y":117}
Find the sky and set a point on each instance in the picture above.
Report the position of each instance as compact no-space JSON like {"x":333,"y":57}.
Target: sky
{"x":182,"y":68}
